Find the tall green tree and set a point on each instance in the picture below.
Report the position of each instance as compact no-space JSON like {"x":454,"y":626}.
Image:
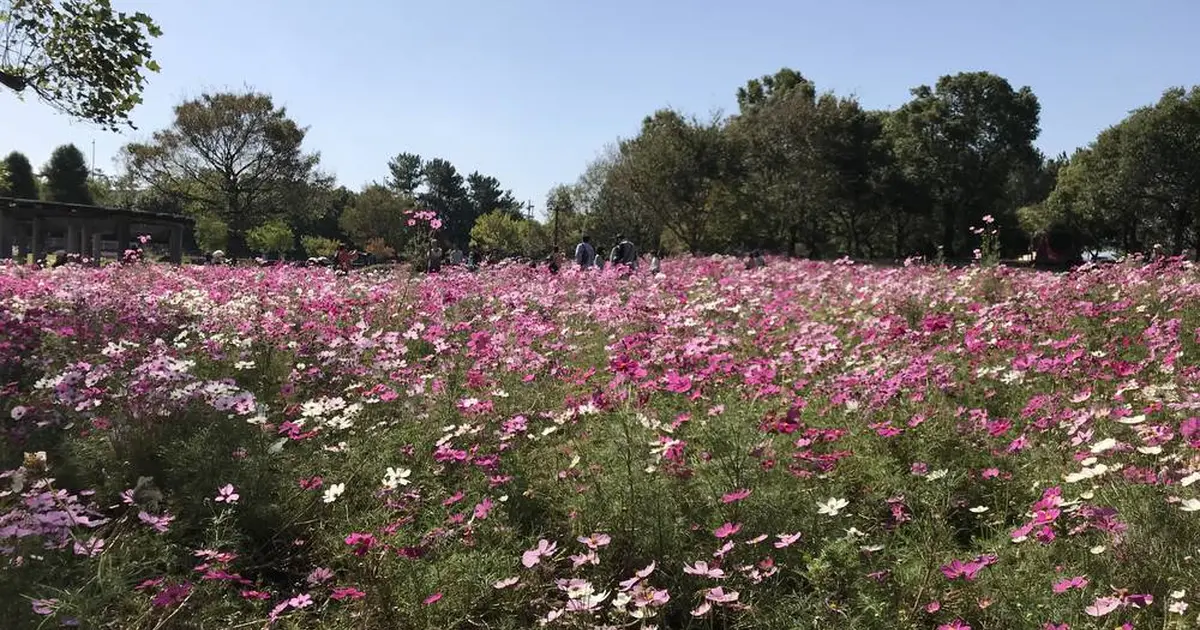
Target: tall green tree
{"x":66,"y":176}
{"x":445,"y":193}
{"x":378,"y":213}
{"x":781,"y":125}
{"x":236,"y":156}
{"x":678,"y":169}
{"x":962,"y":139}
{"x":80,"y":56}
{"x":1135,"y":186}
{"x":407,"y":173}
{"x":22,"y":183}
{"x":486,"y":196}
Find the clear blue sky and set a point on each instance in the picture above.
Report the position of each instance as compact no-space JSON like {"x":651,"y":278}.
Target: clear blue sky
{"x":531,"y":90}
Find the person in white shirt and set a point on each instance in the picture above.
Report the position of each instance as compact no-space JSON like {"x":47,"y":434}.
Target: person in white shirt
{"x":585,"y":254}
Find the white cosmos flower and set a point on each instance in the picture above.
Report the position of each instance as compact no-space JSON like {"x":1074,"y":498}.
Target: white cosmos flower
{"x":333,"y":492}
{"x":396,"y":477}
{"x":832,"y":506}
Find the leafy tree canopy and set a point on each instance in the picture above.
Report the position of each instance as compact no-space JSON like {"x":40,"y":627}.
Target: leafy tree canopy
{"x":80,"y":56}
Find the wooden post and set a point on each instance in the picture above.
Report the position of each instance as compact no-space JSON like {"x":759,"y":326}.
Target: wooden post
{"x":176,"y":244}
{"x":85,"y":240}
{"x":38,"y":236}
{"x":7,"y":227}
{"x":97,"y":251}
{"x":22,"y":234}
{"x":72,"y":236}
{"x":123,"y":238}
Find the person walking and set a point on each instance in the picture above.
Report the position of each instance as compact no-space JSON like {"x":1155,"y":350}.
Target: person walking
{"x":624,"y":253}
{"x":585,"y":254}
{"x":435,"y":257}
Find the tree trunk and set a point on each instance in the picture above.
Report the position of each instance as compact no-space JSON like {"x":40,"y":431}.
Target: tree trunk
{"x":948,"y":229}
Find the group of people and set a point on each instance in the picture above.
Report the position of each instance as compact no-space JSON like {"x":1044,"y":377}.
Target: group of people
{"x":623,"y":253}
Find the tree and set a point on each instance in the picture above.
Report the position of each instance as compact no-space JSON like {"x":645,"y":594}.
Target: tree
{"x":272,"y":237}
{"x":560,"y":210}
{"x":674,"y":169}
{"x":78,"y":55}
{"x":66,"y":176}
{"x":446,"y":194}
{"x":377,"y":214}
{"x":486,"y":196}
{"x":317,"y":246}
{"x":407,"y":173}
{"x":962,"y":140}
{"x":235,"y":156}
{"x":768,"y":88}
{"x":1136,"y":185}
{"x":326,"y":220}
{"x":211,"y":233}
{"x":22,"y":183}
{"x":782,"y":125}
{"x":607,"y":205}
{"x":501,"y":233}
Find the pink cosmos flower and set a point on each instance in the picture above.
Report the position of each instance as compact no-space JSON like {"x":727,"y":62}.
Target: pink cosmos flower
{"x":720,"y":596}
{"x":91,"y":548}
{"x":1102,"y":606}
{"x":432,"y":599}
{"x":227,"y":494}
{"x":966,"y":570}
{"x":678,"y":384}
{"x":595,"y":541}
{"x":702,"y":569}
{"x":346,"y":592}
{"x":44,"y":606}
{"x":1066,"y":585}
{"x":319,"y":575}
{"x":533,"y":556}
{"x":726,"y":548}
{"x":171,"y":594}
{"x":786,"y":540}
{"x":727,"y":530}
{"x":736,"y":495}
{"x":159,"y":523}
{"x":580,"y":559}
{"x":957,"y":624}
{"x":506,"y":582}
{"x":483,"y":508}
{"x":933,"y":607}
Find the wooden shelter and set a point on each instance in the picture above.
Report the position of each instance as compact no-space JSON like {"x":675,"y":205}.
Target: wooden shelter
{"x":30,"y":225}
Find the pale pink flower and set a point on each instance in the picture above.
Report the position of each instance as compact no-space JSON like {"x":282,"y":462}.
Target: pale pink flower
{"x":533,"y":556}
{"x":727,"y":530}
{"x":702,"y":569}
{"x":227,"y":494}
{"x":786,"y":540}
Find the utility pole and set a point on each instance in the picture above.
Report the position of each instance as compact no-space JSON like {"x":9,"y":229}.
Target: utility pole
{"x":92,"y":166}
{"x":529,"y":208}
{"x":555,"y":211}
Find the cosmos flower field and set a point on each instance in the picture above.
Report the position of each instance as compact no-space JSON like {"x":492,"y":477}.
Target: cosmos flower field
{"x":808,"y":445}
